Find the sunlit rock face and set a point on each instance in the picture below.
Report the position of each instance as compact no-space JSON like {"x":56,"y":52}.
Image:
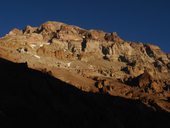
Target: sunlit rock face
{"x":88,"y":58}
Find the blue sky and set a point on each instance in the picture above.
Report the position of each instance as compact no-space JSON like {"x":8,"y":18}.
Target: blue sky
{"x":145,"y":21}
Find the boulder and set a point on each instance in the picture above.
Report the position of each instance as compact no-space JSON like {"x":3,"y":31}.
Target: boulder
{"x":28,"y":29}
{"x":144,"y":79}
{"x":113,"y":37}
{"x":15,"y":32}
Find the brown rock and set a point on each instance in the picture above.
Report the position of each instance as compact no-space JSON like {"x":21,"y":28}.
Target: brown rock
{"x":99,"y":85}
{"x":69,"y":33}
{"x":29,"y":30}
{"x":156,"y":87}
{"x":60,"y":54}
{"x":168,"y":55}
{"x":106,"y":83}
{"x":113,"y":37}
{"x":95,"y":35}
{"x":51,"y":26}
{"x":145,"y":79}
{"x":15,"y":32}
{"x":34,"y":38}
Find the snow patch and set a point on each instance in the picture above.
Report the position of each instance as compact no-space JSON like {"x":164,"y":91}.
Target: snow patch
{"x":32,"y":45}
{"x":68,"y":64}
{"x":37,"y":56}
{"x":41,"y":45}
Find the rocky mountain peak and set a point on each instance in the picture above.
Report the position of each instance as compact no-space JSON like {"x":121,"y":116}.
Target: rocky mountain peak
{"x":86,"y":58}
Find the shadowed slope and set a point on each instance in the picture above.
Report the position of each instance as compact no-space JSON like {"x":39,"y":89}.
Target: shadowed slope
{"x":30,"y":98}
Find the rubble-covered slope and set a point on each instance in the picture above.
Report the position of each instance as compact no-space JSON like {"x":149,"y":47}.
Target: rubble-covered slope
{"x":93,"y":61}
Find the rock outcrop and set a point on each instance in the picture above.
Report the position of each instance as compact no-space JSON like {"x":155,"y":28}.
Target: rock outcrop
{"x":93,"y":61}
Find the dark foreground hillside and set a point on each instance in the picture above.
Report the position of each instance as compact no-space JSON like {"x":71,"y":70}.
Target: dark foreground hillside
{"x":29,"y":98}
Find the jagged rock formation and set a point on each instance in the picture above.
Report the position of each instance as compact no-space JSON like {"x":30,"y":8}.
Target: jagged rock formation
{"x":93,"y":61}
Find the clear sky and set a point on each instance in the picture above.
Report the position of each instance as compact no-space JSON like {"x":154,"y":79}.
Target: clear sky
{"x":145,"y":21}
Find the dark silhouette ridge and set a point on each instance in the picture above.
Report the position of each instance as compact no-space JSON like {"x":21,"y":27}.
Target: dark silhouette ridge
{"x":29,"y":98}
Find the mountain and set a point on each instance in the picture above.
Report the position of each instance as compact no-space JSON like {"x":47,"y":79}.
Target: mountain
{"x":62,"y":75}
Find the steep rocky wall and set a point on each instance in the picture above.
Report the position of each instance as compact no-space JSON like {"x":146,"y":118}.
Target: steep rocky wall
{"x":93,"y":55}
